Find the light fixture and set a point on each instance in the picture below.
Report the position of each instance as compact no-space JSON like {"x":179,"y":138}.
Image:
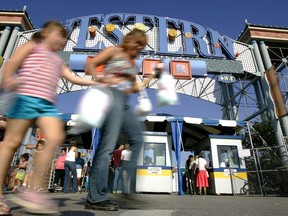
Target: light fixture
{"x":110,"y":28}
{"x":172,"y":33}
{"x":92,"y":31}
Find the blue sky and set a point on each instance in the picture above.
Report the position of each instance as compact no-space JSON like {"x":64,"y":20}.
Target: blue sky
{"x":225,"y":16}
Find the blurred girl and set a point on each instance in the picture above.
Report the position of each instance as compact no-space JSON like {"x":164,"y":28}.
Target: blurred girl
{"x":33,"y":73}
{"x":120,"y":74}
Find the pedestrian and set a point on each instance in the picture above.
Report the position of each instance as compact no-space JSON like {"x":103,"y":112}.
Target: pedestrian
{"x":190,"y":176}
{"x":33,"y":73}
{"x":202,"y":174}
{"x":70,"y":167}
{"x":23,"y":165}
{"x":117,"y":169}
{"x":31,"y":149}
{"x":60,"y":170}
{"x":80,"y":162}
{"x":120,"y":76}
{"x":36,"y":176}
{"x":31,"y":146}
{"x":126,"y":175}
{"x":87,"y":175}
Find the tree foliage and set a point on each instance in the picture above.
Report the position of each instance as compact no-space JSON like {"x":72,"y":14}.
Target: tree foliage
{"x":263,"y":145}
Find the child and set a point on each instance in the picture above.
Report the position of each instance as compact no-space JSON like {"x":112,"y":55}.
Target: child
{"x":23,"y":165}
{"x":38,"y":70}
{"x":38,"y":153}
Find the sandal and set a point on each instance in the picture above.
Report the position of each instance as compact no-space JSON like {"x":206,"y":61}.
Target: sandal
{"x":4,"y":208}
{"x":37,"y":203}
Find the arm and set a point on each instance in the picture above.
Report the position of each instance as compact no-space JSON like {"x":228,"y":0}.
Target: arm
{"x":76,"y":152}
{"x":195,"y":168}
{"x":137,"y":86}
{"x":26,"y":165}
{"x":69,"y":75}
{"x":30,"y":146}
{"x":206,"y":165}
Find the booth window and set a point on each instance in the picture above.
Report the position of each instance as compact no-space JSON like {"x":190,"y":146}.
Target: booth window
{"x":154,"y":154}
{"x":228,"y":156}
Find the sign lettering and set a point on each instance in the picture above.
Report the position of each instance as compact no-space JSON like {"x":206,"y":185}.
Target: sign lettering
{"x":205,"y":43}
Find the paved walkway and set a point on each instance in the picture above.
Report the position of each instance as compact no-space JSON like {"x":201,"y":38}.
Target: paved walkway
{"x":169,"y":205}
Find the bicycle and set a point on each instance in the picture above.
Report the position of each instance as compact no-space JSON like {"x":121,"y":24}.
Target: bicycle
{"x":244,"y":190}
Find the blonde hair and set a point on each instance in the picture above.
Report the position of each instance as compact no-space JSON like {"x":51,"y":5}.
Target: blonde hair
{"x":134,"y":33}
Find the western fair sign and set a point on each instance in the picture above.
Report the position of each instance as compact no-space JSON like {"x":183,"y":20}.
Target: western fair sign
{"x":196,"y":40}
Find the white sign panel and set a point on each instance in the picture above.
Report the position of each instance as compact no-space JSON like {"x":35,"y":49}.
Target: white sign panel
{"x":154,"y":170}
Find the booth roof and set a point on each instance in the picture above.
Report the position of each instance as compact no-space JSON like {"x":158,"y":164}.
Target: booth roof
{"x":194,"y":129}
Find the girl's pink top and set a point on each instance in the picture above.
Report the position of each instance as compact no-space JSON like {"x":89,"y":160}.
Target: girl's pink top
{"x":39,"y":73}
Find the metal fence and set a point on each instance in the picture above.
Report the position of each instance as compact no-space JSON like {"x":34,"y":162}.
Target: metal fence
{"x":265,"y":172}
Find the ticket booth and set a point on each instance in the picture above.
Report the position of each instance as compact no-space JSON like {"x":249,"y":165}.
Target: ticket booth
{"x":227,"y":171}
{"x":154,"y":171}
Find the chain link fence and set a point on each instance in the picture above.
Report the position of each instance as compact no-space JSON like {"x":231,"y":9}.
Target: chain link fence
{"x":265,"y":172}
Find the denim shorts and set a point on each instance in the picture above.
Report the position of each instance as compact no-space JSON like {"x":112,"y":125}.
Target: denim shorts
{"x":28,"y":107}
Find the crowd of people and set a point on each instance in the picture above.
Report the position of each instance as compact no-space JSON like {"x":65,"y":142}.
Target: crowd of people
{"x":35,"y":65}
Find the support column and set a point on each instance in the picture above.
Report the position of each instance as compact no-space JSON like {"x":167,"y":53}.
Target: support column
{"x":11,"y":44}
{"x":233,"y":102}
{"x":4,"y":39}
{"x":227,"y":114}
{"x":260,"y":99}
{"x":267,"y":62}
{"x":271,"y":106}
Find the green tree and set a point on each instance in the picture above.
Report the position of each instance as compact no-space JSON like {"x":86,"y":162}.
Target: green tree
{"x":263,"y":145}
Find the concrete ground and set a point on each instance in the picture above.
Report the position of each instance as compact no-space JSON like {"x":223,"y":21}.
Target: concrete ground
{"x":167,"y":205}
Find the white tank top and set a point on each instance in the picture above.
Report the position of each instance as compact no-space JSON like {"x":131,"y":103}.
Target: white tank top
{"x":70,"y":156}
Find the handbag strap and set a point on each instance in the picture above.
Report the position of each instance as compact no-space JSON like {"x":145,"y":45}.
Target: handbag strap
{"x":143,"y":93}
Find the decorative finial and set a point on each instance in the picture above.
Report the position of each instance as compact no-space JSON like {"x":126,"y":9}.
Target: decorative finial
{"x":139,"y":26}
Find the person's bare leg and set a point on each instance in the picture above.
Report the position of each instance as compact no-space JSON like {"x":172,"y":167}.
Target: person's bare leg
{"x":15,"y":131}
{"x":200,"y":190}
{"x":205,"y":190}
{"x":26,"y":180}
{"x":79,"y":184}
{"x":53,"y":129}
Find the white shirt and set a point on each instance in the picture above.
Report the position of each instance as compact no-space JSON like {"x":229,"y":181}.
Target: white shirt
{"x":70,"y":156}
{"x":126,"y":155}
{"x":201,"y":162}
